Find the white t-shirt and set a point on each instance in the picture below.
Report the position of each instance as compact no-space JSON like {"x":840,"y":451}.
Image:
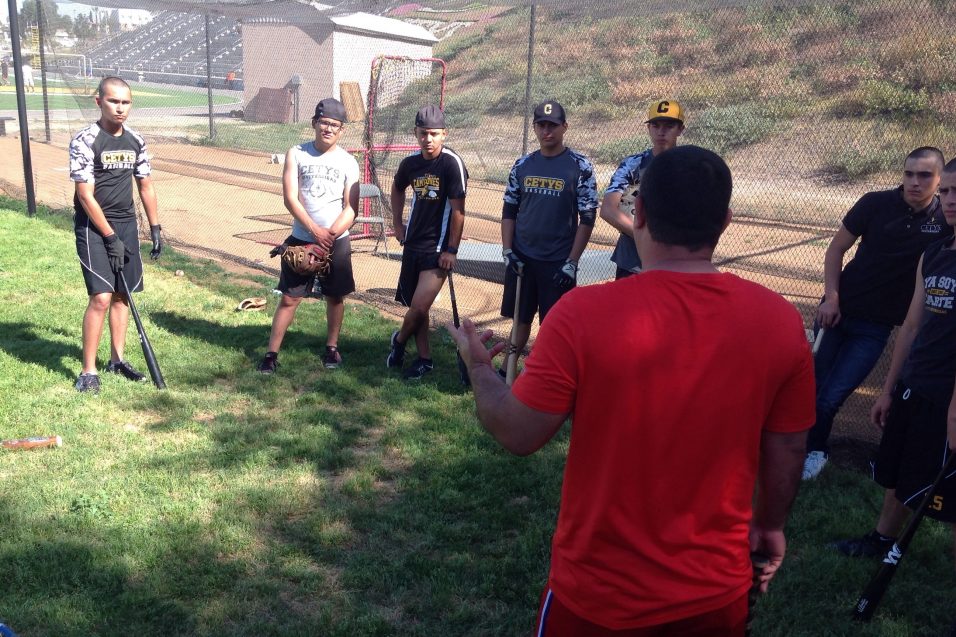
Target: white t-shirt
{"x":28,"y":74}
{"x":322,"y":179}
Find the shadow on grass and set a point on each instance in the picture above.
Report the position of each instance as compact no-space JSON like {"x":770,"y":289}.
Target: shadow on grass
{"x":29,"y":344}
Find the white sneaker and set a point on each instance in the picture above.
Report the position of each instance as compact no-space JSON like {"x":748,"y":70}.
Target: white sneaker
{"x":814,"y":464}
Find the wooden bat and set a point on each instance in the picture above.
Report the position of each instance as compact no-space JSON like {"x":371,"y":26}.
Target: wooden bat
{"x":462,"y":370}
{"x":148,"y":354}
{"x":873,"y":593}
{"x":511,"y":364}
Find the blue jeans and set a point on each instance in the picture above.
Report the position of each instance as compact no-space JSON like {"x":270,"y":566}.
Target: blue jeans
{"x":847,"y":354}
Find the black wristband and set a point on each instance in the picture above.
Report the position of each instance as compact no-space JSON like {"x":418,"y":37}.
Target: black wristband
{"x":156,"y":227}
{"x":110,"y":239}
{"x":451,"y":250}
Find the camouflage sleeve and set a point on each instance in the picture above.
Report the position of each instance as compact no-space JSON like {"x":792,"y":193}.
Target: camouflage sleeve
{"x":628,"y":172}
{"x":81,"y":157}
{"x":587,"y":192}
{"x":142,"y":168}
{"x":513,"y":189}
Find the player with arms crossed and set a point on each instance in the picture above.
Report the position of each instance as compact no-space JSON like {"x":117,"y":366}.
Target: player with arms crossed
{"x":549,"y":210}
{"x":863,"y":302}
{"x":438,"y":178}
{"x":104,"y":159}
{"x":665,"y":123}
{"x":704,"y":390}
{"x":320,"y":189}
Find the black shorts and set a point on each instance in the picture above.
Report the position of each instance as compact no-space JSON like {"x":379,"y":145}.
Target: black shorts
{"x":97,"y":274}
{"x":538,"y":291}
{"x":414,"y":262}
{"x":337,"y":283}
{"x":913,"y":450}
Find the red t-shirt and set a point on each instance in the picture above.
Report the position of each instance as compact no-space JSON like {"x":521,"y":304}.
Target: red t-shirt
{"x":670,"y":379}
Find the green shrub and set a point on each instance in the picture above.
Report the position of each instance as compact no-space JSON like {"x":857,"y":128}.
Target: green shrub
{"x":451,"y":48}
{"x":573,"y":92}
{"x":880,"y":97}
{"x":614,"y":151}
{"x":725,"y":128}
{"x":853,"y":163}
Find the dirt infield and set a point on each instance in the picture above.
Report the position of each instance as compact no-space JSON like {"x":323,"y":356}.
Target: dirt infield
{"x":227,"y":205}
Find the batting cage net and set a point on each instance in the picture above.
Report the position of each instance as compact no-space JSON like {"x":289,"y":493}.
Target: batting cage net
{"x":811,"y":103}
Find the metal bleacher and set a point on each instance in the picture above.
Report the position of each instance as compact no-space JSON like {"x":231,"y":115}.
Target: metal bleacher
{"x":171,"y":48}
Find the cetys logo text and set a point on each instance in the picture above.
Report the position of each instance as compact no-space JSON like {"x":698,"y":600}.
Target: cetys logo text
{"x":113,"y":159}
{"x":544,"y":185}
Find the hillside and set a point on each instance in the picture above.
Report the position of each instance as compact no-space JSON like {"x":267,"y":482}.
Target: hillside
{"x":838,"y":91}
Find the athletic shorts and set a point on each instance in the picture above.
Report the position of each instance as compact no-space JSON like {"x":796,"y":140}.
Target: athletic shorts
{"x":538,"y":291}
{"x":556,"y":620}
{"x":97,"y":274}
{"x":337,"y":283}
{"x":414,"y":262}
{"x":912,"y":451}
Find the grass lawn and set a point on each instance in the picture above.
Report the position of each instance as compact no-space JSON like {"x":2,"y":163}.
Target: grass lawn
{"x":61,"y":97}
{"x":316,"y":502}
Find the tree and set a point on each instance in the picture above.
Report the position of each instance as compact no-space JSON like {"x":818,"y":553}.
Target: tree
{"x":28,"y":17}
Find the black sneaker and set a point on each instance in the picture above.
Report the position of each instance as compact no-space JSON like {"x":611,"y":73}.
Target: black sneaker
{"x":419,"y":368}
{"x":269,"y":363}
{"x":396,"y":357}
{"x":870,"y":545}
{"x":88,"y":383}
{"x":126,"y":370}
{"x":332,"y":357}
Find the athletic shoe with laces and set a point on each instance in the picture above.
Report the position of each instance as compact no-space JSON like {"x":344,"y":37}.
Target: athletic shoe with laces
{"x":124,"y":369}
{"x":870,"y":545}
{"x":814,"y":464}
{"x":88,"y":383}
{"x":396,"y":357}
{"x":419,"y":368}
{"x":269,"y":363}
{"x":332,"y":357}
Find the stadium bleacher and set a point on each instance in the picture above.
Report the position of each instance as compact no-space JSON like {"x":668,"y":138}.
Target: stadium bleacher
{"x":171,"y":48}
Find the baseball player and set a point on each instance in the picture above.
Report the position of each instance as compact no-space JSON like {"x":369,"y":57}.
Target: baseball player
{"x":438,"y":178}
{"x":863,"y":301}
{"x":320,"y":189}
{"x":917,"y":407}
{"x":104,"y":157}
{"x":549,"y":210}
{"x":665,"y":123}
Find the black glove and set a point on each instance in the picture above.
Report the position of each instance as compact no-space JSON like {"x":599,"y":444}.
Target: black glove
{"x":567,"y":275}
{"x":512,"y":261}
{"x":115,"y":251}
{"x":157,"y":241}
{"x":278,"y":251}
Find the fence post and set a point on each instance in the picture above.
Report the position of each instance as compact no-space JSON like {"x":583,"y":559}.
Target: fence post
{"x":212,"y":129}
{"x":41,"y":29}
{"x":22,"y":109}
{"x":527,"y":82}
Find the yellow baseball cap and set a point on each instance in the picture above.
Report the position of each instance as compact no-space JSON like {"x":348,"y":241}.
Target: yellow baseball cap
{"x":665,"y":109}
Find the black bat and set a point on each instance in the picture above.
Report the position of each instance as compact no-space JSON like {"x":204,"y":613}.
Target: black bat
{"x":462,"y":370}
{"x":873,"y":593}
{"x":759,"y":562}
{"x":148,"y":354}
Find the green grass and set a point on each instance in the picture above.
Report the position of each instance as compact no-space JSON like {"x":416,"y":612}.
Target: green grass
{"x":62,"y":97}
{"x":343,"y":503}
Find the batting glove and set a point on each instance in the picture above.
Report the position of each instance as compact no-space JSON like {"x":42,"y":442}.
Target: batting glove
{"x":566,"y":276}
{"x":154,"y":234}
{"x":115,"y":251}
{"x":278,"y":251}
{"x":512,"y":261}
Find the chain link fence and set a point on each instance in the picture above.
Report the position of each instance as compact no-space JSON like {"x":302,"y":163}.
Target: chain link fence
{"x":811,"y":103}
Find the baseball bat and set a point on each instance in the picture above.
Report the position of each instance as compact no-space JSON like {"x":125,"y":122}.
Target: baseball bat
{"x":511,"y":365}
{"x":817,"y":341}
{"x":462,"y":370}
{"x":873,"y":593}
{"x":148,"y":354}
{"x":32,"y":443}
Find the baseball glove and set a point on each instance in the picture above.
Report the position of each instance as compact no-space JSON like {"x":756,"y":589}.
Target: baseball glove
{"x":310,"y":258}
{"x":628,"y":197}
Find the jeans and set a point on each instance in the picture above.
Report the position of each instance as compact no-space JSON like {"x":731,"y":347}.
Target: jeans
{"x":847,"y":354}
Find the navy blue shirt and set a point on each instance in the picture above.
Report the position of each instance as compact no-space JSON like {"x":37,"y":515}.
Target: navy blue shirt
{"x":547,"y":196}
{"x":877,"y":284}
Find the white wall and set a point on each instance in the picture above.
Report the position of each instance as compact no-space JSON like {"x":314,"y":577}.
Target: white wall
{"x":352,"y":55}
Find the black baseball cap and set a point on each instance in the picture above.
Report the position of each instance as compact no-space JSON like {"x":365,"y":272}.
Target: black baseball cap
{"x":430,"y":117}
{"x":331,"y":108}
{"x":549,"y":111}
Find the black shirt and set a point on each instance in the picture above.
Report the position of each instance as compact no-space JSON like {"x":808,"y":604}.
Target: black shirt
{"x":433,"y":182}
{"x":877,"y":284}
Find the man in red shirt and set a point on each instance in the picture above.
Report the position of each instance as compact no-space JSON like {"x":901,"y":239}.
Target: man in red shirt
{"x":687,"y":388}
